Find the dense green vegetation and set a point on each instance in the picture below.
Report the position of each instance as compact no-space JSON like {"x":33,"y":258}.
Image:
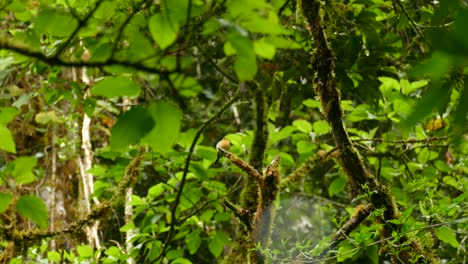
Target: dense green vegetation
{"x":348,"y":124}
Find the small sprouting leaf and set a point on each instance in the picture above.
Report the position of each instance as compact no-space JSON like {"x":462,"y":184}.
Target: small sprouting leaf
{"x":131,"y":127}
{"x":115,"y":86}
{"x":33,"y":208}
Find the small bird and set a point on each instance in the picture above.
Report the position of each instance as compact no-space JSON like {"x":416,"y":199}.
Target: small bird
{"x":224,"y":144}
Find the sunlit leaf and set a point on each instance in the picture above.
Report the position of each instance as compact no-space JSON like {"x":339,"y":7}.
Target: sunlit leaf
{"x":7,"y":143}
{"x":447,"y":235}
{"x":303,"y":125}
{"x":7,"y":114}
{"x":23,"y":169}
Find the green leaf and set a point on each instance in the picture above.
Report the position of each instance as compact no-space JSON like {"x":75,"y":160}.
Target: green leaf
{"x":46,"y":117}
{"x":337,"y":186}
{"x":177,"y":10}
{"x":7,"y":114}
{"x":321,"y":127}
{"x":425,"y":155}
{"x":7,"y":143}
{"x":33,"y":208}
{"x":55,"y":22}
{"x":264,"y":49}
{"x":168,"y":122}
{"x":131,"y":127}
{"x":193,"y":241}
{"x":84,"y":251}
{"x":246,"y":61}
{"x":23,"y":169}
{"x":181,"y":261}
{"x":305,"y":146}
{"x":115,"y":86}
{"x":156,"y":190}
{"x":53,"y":256}
{"x":311,"y":103}
{"x":5,"y":200}
{"x":447,"y":235}
{"x":217,"y":242}
{"x":162,"y":31}
{"x":303,"y":125}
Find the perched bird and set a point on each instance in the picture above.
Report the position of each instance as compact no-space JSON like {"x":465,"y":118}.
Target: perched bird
{"x":224,"y":144}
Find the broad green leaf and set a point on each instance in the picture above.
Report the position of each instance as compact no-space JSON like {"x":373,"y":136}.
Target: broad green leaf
{"x":181,"y":261}
{"x":305,"y":146}
{"x":131,"y":127}
{"x":337,"y":186}
{"x":415,"y":86}
{"x":163,"y":32}
{"x":217,"y":242}
{"x":388,"y":85}
{"x":193,"y":241}
{"x":113,"y":252}
{"x":7,"y":114}
{"x":321,"y":127}
{"x":116,"y":86}
{"x":168,"y":122}
{"x":426,"y":155}
{"x":56,"y":22}
{"x":137,"y":43}
{"x":447,"y":235}
{"x":7,"y":143}
{"x":264,"y":49}
{"x":23,"y":169}
{"x":246,"y":61}
{"x":84,"y":251}
{"x":177,"y":10}
{"x":5,"y":200}
{"x":156,"y":190}
{"x":311,"y":103}
{"x":33,"y":208}
{"x":303,"y":125}
{"x":53,"y":256}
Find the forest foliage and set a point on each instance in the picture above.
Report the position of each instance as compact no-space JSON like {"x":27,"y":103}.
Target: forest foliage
{"x":348,"y":124}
